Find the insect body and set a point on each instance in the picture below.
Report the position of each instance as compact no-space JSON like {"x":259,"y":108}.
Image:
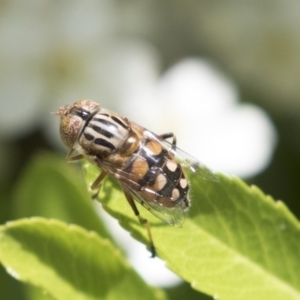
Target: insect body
{"x":148,"y":168}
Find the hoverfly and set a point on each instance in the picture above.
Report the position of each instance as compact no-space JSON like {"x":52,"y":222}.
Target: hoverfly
{"x":148,"y":168}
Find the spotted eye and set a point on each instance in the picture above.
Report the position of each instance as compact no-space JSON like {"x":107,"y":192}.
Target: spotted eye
{"x":73,"y":118}
{"x":70,"y":127}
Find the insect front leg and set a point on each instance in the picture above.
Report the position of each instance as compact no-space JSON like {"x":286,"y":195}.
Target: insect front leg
{"x":71,"y":158}
{"x":142,"y":221}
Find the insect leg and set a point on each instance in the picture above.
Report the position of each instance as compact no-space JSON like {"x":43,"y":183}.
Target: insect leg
{"x":75,"y":158}
{"x":97,"y":184}
{"x":167,"y":136}
{"x":142,"y":221}
{"x":71,"y":158}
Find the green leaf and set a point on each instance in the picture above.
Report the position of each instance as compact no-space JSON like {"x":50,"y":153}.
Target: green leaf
{"x":68,"y":262}
{"x":185,"y":291}
{"x":237,"y":243}
{"x":51,"y":188}
{"x":9,"y":288}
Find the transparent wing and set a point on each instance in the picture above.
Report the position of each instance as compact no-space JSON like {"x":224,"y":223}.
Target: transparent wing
{"x":173,"y":216}
{"x":145,"y":196}
{"x":187,"y":161}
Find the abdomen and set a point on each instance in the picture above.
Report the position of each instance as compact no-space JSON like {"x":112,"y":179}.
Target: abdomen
{"x":156,"y":176}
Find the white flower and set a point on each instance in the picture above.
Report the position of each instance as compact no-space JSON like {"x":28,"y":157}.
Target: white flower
{"x":48,"y":56}
{"x":201,"y":106}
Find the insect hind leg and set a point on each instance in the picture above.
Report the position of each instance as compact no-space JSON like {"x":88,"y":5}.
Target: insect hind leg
{"x":142,"y":221}
{"x":169,"y":135}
